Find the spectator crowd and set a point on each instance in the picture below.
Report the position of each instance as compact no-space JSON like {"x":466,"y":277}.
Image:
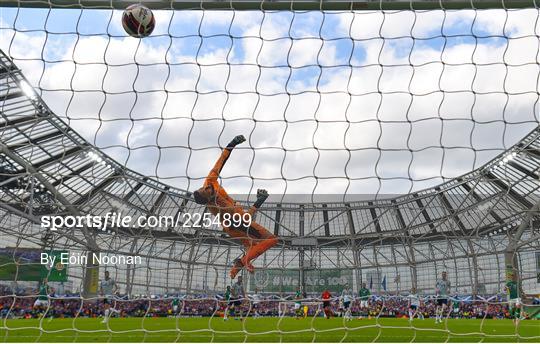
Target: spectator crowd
{"x":69,"y":306}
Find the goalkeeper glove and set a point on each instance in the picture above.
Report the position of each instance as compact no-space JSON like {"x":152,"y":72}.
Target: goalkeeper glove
{"x":262,"y":195}
{"x":236,"y":141}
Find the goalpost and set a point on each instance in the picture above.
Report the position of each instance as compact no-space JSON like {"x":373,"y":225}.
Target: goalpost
{"x":364,"y":120}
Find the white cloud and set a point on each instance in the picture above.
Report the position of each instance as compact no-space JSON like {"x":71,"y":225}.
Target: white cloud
{"x":377,"y":126}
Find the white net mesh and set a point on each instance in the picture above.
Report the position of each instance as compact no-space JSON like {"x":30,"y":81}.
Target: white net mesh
{"x":353,"y":120}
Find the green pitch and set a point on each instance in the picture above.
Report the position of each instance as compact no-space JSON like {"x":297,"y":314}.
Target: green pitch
{"x":260,"y":330}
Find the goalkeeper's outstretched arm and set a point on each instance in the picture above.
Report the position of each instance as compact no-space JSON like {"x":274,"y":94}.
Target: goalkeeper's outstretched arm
{"x":218,"y":166}
{"x":207,"y":193}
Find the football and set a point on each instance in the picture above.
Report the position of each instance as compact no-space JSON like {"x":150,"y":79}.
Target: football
{"x":138,"y":21}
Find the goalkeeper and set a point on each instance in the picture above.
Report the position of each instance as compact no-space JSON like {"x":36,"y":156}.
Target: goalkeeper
{"x":255,"y":238}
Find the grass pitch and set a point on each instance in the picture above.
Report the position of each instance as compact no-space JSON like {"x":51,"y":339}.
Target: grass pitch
{"x":265,"y":330}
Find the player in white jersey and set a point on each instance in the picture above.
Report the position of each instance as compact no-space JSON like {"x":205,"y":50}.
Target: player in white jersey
{"x":255,"y":304}
{"x":442,"y":289}
{"x":237,"y":296}
{"x":414,"y":305}
{"x":108,"y":289}
{"x":346,"y":298}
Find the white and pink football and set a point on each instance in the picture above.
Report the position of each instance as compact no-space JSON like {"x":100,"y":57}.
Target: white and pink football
{"x":138,"y":21}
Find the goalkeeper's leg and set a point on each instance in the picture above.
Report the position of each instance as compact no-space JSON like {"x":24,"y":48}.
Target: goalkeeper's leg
{"x":267,"y":240}
{"x":246,"y":241}
{"x":257,"y":240}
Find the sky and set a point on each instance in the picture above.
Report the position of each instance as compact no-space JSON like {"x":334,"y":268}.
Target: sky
{"x":331,"y":102}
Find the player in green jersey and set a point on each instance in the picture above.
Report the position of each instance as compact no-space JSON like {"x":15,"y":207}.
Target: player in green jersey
{"x":175,"y":305}
{"x":42,"y":302}
{"x":514,"y":301}
{"x":298,"y":303}
{"x":364,"y":295}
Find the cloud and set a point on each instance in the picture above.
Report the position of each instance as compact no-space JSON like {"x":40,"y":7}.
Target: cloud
{"x":356,"y":102}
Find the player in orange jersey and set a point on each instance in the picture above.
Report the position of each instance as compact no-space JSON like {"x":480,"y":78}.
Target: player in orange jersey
{"x":255,"y":238}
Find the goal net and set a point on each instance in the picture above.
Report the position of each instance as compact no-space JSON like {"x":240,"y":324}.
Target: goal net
{"x":398,"y":141}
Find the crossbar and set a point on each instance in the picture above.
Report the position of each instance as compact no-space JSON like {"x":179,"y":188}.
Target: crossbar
{"x":329,"y":5}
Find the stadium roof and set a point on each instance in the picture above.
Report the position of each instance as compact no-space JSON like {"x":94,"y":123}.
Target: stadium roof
{"x":48,"y":168}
